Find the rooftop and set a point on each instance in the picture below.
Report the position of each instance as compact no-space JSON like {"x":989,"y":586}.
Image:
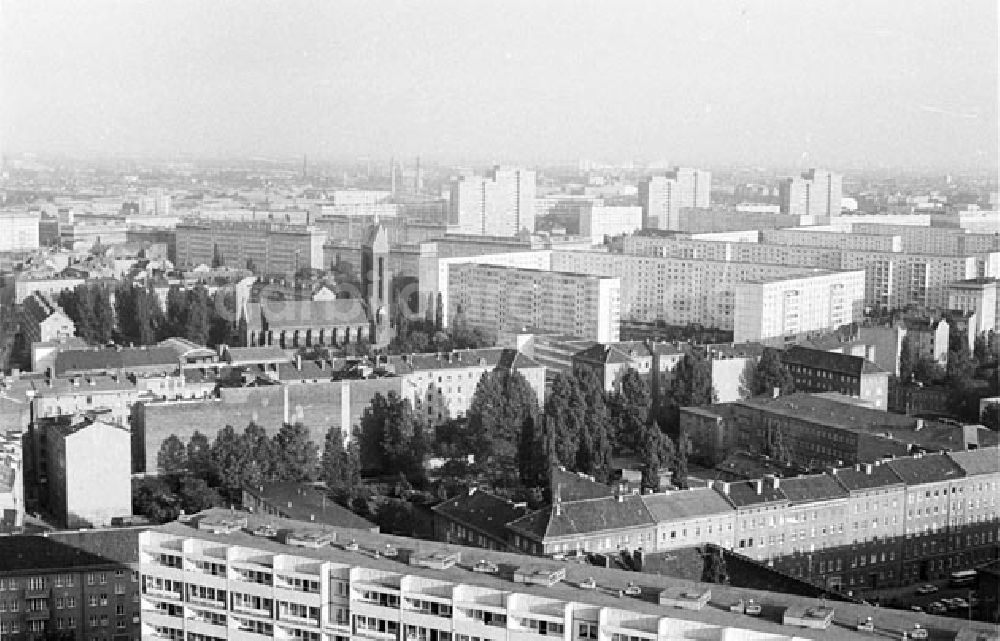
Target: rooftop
{"x":685,"y":504}
{"x":928,"y":468}
{"x":814,"y":487}
{"x":847,"y":614}
{"x":584,"y":517}
{"x":69,"y":550}
{"x":829,"y":361}
{"x":482,"y":511}
{"x":303,"y":503}
{"x":491,"y":358}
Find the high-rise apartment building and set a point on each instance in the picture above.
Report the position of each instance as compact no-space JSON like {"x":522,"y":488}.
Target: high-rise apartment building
{"x":502,"y":203}
{"x":662,"y":197}
{"x":20,"y":231}
{"x":814,"y":193}
{"x":496,"y":299}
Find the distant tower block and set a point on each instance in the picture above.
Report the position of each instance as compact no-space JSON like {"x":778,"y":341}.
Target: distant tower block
{"x":376,"y":284}
{"x":392,"y":176}
{"x":418,"y":178}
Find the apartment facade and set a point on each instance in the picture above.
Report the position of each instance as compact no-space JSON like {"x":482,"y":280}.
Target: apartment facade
{"x":502,"y":203}
{"x":70,"y":585}
{"x":817,"y":370}
{"x":978,"y":296}
{"x":20,"y":231}
{"x":42,"y":320}
{"x":498,"y":299}
{"x":814,"y":193}
{"x":663,"y":197}
{"x":264,"y":247}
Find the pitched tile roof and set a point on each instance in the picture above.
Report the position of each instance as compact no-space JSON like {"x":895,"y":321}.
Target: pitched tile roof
{"x":482,"y":511}
{"x":814,"y":487}
{"x":927,"y":468}
{"x":866,"y":476}
{"x":584,"y":517}
{"x":300,"y":502}
{"x":744,"y":493}
{"x":69,"y":550}
{"x":985,"y":460}
{"x":603,"y":355}
{"x":490,"y":357}
{"x":574,"y":487}
{"x":685,"y":504}
{"x":824,"y":360}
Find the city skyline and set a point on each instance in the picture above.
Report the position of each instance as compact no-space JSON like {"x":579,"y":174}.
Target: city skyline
{"x":858,"y":84}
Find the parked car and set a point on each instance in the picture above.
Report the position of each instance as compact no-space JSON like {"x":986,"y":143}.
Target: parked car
{"x":486,"y":567}
{"x":632,"y":589}
{"x":753,"y":608}
{"x":937,"y":608}
{"x":352,"y":546}
{"x":916,"y":608}
{"x":917,"y":632}
{"x":866,"y":624}
{"x":927,"y":589}
{"x":588,"y":584}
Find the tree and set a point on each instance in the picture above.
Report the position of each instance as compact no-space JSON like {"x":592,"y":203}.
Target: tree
{"x":197,"y":320}
{"x":502,"y":403}
{"x":564,"y":418}
{"x":172,"y":457}
{"x":229,"y":457}
{"x":630,"y":407}
{"x":691,"y":387}
{"x":341,"y":465}
{"x":772,"y":374}
{"x":906,"y":361}
{"x":391,"y":436}
{"x":990,"y":416}
{"x":196,"y":495}
{"x":657,"y":451}
{"x":104,"y":315}
{"x":295,"y":455}
{"x":714,"y":568}
{"x":262,"y":459}
{"x":176,"y":316}
{"x":153,"y":498}
{"x":682,"y":447}
{"x":593,"y":454}
{"x":199,"y":456}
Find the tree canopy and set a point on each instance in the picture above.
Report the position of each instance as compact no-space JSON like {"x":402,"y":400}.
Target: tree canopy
{"x":772,"y":374}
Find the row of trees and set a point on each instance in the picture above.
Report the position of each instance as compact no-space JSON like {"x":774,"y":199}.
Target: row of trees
{"x":201,"y":473}
{"x":132,"y":314}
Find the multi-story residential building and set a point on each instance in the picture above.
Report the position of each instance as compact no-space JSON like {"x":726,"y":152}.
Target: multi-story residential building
{"x":979,"y":296}
{"x":929,"y":240}
{"x":89,"y":472}
{"x":782,"y":309}
{"x":806,"y":236}
{"x":442,"y":385}
{"x":85,"y":235}
{"x":893,"y":279}
{"x":264,"y":247}
{"x":46,"y":283}
{"x":500,"y":204}
{"x":20,"y":231}
{"x":691,"y":517}
{"x":663,"y":197}
{"x":200,"y":584}
{"x":928,"y":339}
{"x":497,"y":299}
{"x":70,"y":585}
{"x":760,"y":514}
{"x":817,"y":370}
{"x":682,"y":291}
{"x":814,"y":193}
{"x":42,"y":320}
{"x":598,"y":222}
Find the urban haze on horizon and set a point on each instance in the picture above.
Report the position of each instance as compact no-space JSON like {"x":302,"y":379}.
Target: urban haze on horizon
{"x":846,"y":85}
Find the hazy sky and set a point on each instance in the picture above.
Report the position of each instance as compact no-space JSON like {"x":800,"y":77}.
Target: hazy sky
{"x":792,"y":83}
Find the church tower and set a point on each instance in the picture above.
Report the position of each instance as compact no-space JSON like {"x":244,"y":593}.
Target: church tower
{"x":376,"y":283}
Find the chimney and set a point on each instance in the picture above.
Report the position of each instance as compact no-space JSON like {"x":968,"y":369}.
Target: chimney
{"x":868,"y":469}
{"x":759,"y":483}
{"x":322,"y":364}
{"x":620,"y":497}
{"x":472,"y":490}
{"x":919,"y":426}
{"x":857,"y":467}
{"x":775,"y":392}
{"x":725,"y":487}
{"x":298,"y":362}
{"x":289,"y":505}
{"x":775,"y":481}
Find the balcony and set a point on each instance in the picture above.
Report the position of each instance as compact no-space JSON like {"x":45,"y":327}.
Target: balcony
{"x":212,"y":603}
{"x":42,"y":593}
{"x":38,"y":615}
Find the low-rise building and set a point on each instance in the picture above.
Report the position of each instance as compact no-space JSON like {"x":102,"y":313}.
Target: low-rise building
{"x":301,"y":502}
{"x":441,"y":386}
{"x":817,"y":370}
{"x":690,"y":517}
{"x":43,"y":320}
{"x":758,"y":530}
{"x":477,"y":519}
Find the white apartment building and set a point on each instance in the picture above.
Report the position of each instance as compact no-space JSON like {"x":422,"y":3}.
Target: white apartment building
{"x":838,"y":240}
{"x":682,"y":291}
{"x":203,"y":585}
{"x":662,"y":197}
{"x":932,"y":240}
{"x":264,"y":247}
{"x":814,"y":193}
{"x":792,"y":306}
{"x":502,"y":299}
{"x":598,"y":221}
{"x":502,"y":203}
{"x":20,"y":231}
{"x":977,"y":295}
{"x":893,"y":278}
